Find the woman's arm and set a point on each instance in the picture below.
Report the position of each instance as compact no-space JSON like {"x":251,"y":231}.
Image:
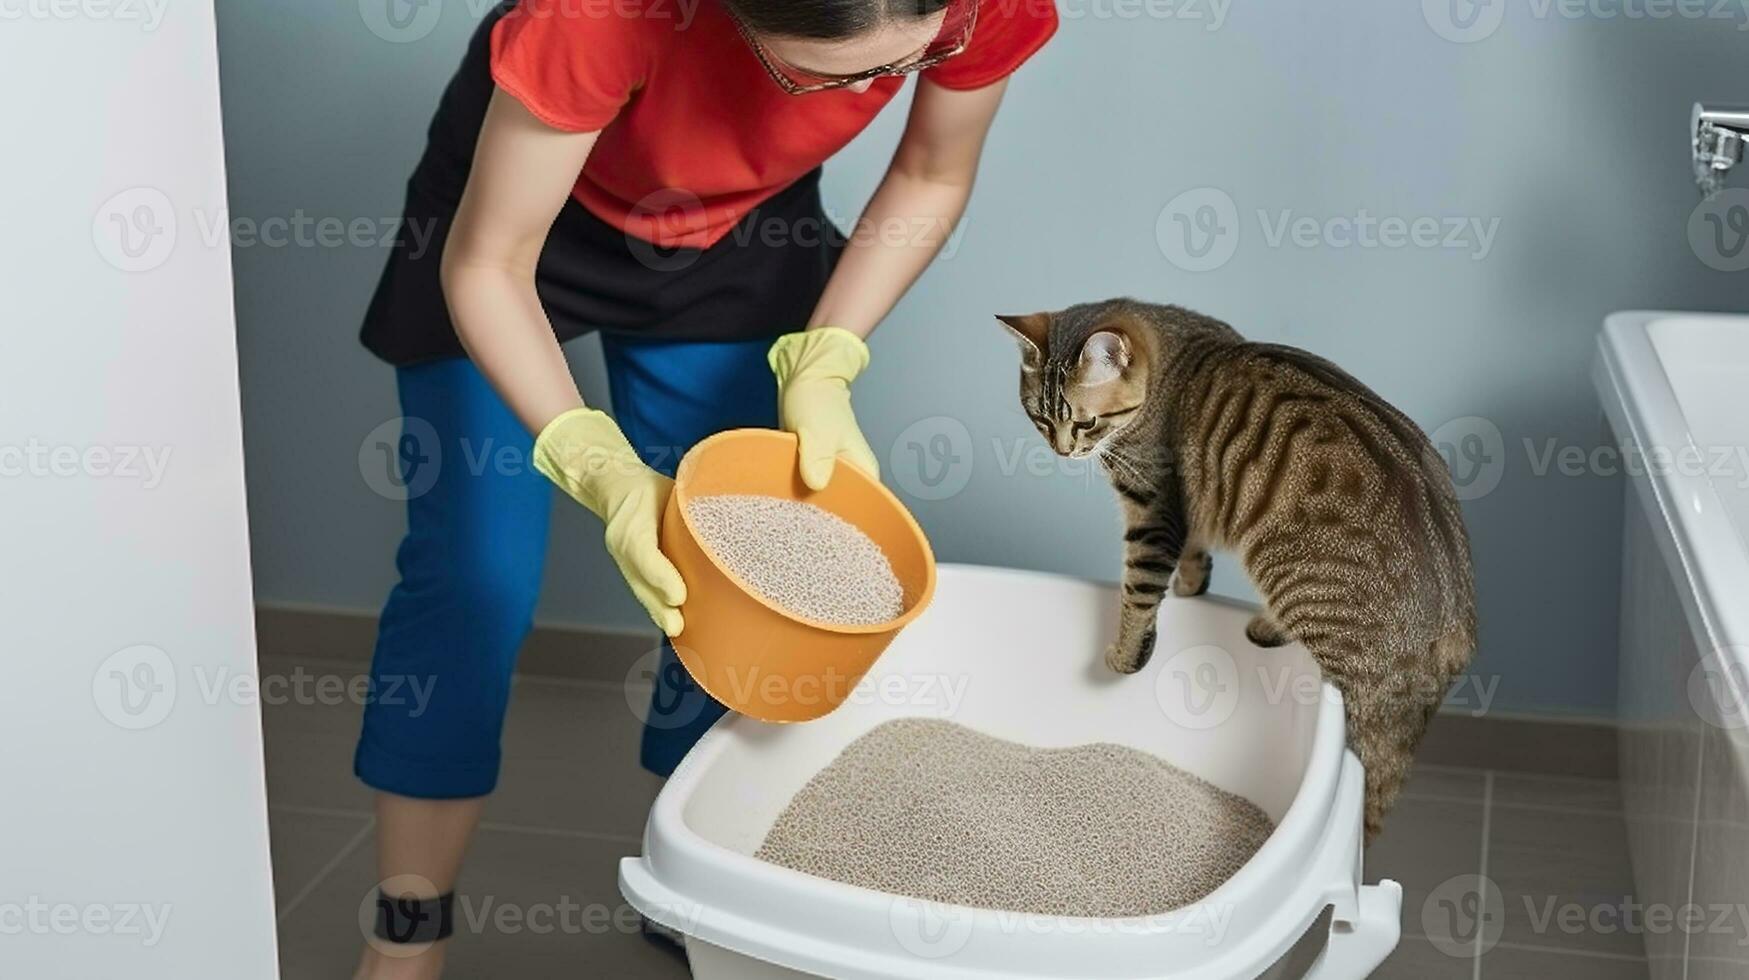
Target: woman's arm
{"x":914,"y":210}
{"x":523,"y":173}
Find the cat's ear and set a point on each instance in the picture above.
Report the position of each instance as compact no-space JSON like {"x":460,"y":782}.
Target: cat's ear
{"x":1105,"y":356}
{"x":1032,"y":329}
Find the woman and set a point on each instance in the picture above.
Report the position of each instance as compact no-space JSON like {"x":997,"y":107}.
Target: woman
{"x":647,"y":168}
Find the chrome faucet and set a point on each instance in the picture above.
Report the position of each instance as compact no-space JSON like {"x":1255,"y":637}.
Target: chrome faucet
{"x":1719,"y":132}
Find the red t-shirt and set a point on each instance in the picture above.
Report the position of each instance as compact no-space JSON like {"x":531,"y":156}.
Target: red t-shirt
{"x":694,"y":133}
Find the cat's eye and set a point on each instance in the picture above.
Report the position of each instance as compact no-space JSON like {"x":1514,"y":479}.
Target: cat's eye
{"x":1082,"y":425}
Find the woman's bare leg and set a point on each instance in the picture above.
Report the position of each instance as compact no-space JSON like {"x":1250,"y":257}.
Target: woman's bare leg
{"x":420,"y":847}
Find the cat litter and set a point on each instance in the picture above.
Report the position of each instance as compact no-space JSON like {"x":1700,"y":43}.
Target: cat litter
{"x":800,"y":557}
{"x":934,"y":810}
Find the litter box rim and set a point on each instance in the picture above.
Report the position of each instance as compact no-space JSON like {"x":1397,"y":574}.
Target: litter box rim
{"x":732,"y":900}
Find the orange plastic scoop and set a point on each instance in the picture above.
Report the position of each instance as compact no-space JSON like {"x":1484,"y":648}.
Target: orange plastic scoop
{"x":759,"y":659}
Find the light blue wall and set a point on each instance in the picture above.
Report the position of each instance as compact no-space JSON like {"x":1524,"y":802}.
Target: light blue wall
{"x":1567,"y":130}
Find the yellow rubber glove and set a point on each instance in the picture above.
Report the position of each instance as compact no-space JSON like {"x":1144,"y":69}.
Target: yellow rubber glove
{"x":584,"y":452}
{"x":814,"y":369}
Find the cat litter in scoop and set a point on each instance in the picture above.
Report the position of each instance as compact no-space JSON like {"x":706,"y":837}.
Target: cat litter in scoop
{"x":791,"y":593}
{"x":801,"y":557}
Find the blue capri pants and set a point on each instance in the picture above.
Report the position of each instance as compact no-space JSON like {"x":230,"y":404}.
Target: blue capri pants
{"x":471,"y":562}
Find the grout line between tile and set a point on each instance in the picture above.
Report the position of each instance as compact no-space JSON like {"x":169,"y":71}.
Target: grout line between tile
{"x":298,"y":809}
{"x":1723,"y":960}
{"x":1583,"y":811}
{"x":333,"y":664}
{"x":1594,"y":954}
{"x":582,"y":683}
{"x":512,"y":828}
{"x":1482,"y":875}
{"x":1694,"y":839}
{"x":292,"y":904}
{"x":1441,"y":798}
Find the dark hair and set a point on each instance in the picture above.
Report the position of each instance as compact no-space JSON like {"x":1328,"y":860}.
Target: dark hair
{"x":828,"y":20}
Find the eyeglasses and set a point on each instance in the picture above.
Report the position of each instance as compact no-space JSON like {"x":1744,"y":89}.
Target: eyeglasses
{"x":958,"y":19}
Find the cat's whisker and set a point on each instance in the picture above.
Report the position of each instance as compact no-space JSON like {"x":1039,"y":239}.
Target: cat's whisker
{"x":1119,"y":466}
{"x":1118,"y":463}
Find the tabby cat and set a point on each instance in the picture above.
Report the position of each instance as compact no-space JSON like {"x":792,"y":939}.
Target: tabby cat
{"x":1341,"y":511}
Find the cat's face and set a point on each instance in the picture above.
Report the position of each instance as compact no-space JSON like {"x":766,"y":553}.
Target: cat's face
{"x":1081,"y":383}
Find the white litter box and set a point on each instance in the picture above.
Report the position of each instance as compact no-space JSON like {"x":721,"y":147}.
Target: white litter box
{"x":1018,"y":655}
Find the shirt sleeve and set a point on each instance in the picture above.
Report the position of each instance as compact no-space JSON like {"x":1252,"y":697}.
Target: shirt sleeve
{"x":1007,"y":33}
{"x":572,"y":65}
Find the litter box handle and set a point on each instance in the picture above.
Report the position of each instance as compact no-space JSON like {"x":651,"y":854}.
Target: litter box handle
{"x":1361,"y":937}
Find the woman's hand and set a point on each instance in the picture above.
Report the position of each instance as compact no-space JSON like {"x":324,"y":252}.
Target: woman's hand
{"x":585,"y":453}
{"x":814,"y":369}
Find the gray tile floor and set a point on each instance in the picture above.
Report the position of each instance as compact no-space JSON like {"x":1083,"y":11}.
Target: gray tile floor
{"x":539,"y":898}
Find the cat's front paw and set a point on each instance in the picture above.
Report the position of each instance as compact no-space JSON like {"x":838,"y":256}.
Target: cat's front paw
{"x":1127,"y":656}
